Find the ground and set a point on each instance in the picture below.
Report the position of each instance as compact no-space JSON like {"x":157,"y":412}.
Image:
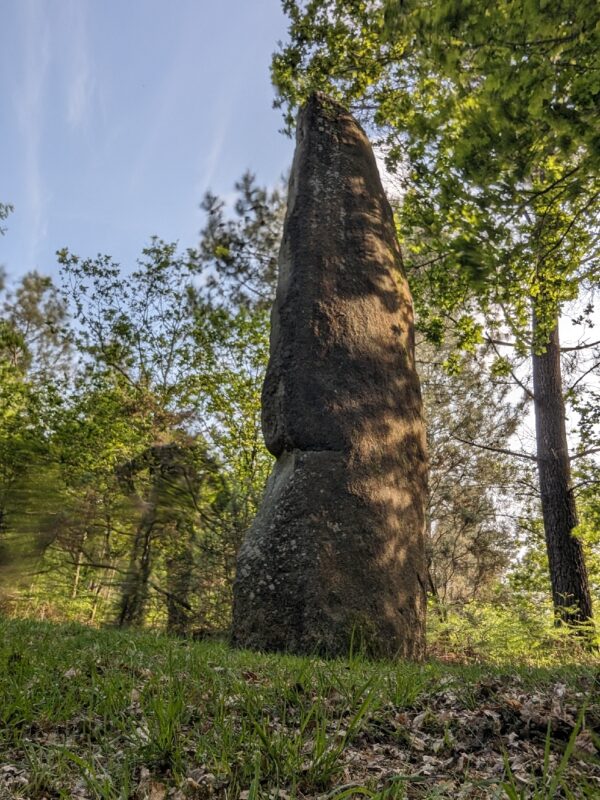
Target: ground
{"x":88,"y":713}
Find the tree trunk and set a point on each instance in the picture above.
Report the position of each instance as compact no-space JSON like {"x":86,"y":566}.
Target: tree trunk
{"x":78,"y":564}
{"x":106,"y":556}
{"x":568,"y":575}
{"x":134,"y":596}
{"x":179,"y":579}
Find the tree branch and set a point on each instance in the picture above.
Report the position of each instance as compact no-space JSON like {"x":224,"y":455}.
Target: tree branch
{"x":503,"y":450}
{"x":519,"y":383}
{"x":579,"y":347}
{"x":170,"y":596}
{"x":594,"y":366}
{"x":499,"y":342}
{"x":590,"y":451}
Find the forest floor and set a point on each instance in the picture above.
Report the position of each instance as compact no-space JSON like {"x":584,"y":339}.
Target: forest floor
{"x":88,"y":713}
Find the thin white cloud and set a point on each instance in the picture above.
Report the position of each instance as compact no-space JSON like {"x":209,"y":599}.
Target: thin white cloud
{"x":29,"y":102}
{"x":171,"y":95}
{"x":80,"y":82}
{"x":211,"y":161}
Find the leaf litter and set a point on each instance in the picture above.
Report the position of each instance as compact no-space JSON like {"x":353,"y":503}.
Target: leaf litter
{"x":221,"y":724}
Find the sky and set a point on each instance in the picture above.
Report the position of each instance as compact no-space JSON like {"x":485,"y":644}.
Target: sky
{"x":116,"y":116}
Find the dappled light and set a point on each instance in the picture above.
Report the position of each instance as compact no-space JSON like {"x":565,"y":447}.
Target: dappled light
{"x":300,"y":459}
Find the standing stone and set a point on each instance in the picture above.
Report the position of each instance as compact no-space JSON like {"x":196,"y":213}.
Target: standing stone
{"x":335,"y":557}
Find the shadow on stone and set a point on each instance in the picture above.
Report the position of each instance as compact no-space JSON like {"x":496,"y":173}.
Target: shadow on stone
{"x":335,"y":554}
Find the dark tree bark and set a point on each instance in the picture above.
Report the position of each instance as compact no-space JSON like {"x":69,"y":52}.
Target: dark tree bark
{"x":166,"y":523}
{"x":134,"y":595}
{"x":568,"y":574}
{"x":179,"y":580}
{"x":135,"y":589}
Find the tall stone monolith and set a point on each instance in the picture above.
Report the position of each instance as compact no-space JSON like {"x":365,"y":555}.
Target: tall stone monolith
{"x":335,"y":555}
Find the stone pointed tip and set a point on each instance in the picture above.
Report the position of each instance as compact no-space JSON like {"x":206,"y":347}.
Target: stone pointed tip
{"x":321,"y":102}
{"x":324,"y":114}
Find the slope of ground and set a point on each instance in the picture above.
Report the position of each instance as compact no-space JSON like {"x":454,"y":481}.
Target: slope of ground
{"x":106,"y":714}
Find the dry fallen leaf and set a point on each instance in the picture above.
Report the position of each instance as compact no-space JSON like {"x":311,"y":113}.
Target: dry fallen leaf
{"x":71,"y":673}
{"x":156,"y":791}
{"x":149,"y":789}
{"x":585,"y":742}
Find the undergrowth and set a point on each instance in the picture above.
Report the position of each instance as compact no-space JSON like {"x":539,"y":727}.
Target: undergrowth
{"x":522,"y":631}
{"x":104,"y":714}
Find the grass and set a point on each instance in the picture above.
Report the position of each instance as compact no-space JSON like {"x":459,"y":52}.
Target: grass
{"x":88,"y":713}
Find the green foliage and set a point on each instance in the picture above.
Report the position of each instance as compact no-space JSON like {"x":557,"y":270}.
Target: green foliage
{"x":236,"y":353}
{"x":37,"y":315}
{"x":529,"y":575}
{"x":474,"y":492}
{"x":589,"y":533}
{"x":135,"y":430}
{"x":5,"y":210}
{"x":136,"y":329}
{"x":487,"y":117}
{"x":31,"y":354}
{"x":239,"y":251}
{"x":510,"y":628}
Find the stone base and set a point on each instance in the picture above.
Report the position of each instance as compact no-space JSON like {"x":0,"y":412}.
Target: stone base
{"x":325,"y":568}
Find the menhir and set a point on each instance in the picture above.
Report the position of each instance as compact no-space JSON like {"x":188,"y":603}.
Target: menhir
{"x":335,"y":557}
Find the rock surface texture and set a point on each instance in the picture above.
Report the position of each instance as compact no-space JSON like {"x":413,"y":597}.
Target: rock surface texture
{"x":335,"y":557}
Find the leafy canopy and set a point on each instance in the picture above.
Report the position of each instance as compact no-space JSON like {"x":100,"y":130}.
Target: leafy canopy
{"x":486,"y":112}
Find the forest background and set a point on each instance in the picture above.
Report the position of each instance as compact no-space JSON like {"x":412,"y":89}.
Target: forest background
{"x":133,"y":462}
{"x":130,"y":445}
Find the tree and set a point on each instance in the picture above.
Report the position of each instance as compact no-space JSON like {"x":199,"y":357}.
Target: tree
{"x":136,"y":342}
{"x":183,"y":486}
{"x":487,"y":119}
{"x":531,"y":572}
{"x":475,"y":493}
{"x":5,"y":210}
{"x":240,"y":253}
{"x":32,"y":350}
{"x":163,"y":431}
{"x":21,"y":431}
{"x":37,"y":312}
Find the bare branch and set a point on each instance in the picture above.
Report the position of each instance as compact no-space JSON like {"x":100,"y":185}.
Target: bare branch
{"x":503,"y":450}
{"x":499,"y":342}
{"x":590,"y":451}
{"x":171,"y":596}
{"x":519,"y":383}
{"x":583,"y":346}
{"x":594,"y":366}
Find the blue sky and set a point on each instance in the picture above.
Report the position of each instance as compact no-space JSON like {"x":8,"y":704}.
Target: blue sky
{"x":117,"y":115}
